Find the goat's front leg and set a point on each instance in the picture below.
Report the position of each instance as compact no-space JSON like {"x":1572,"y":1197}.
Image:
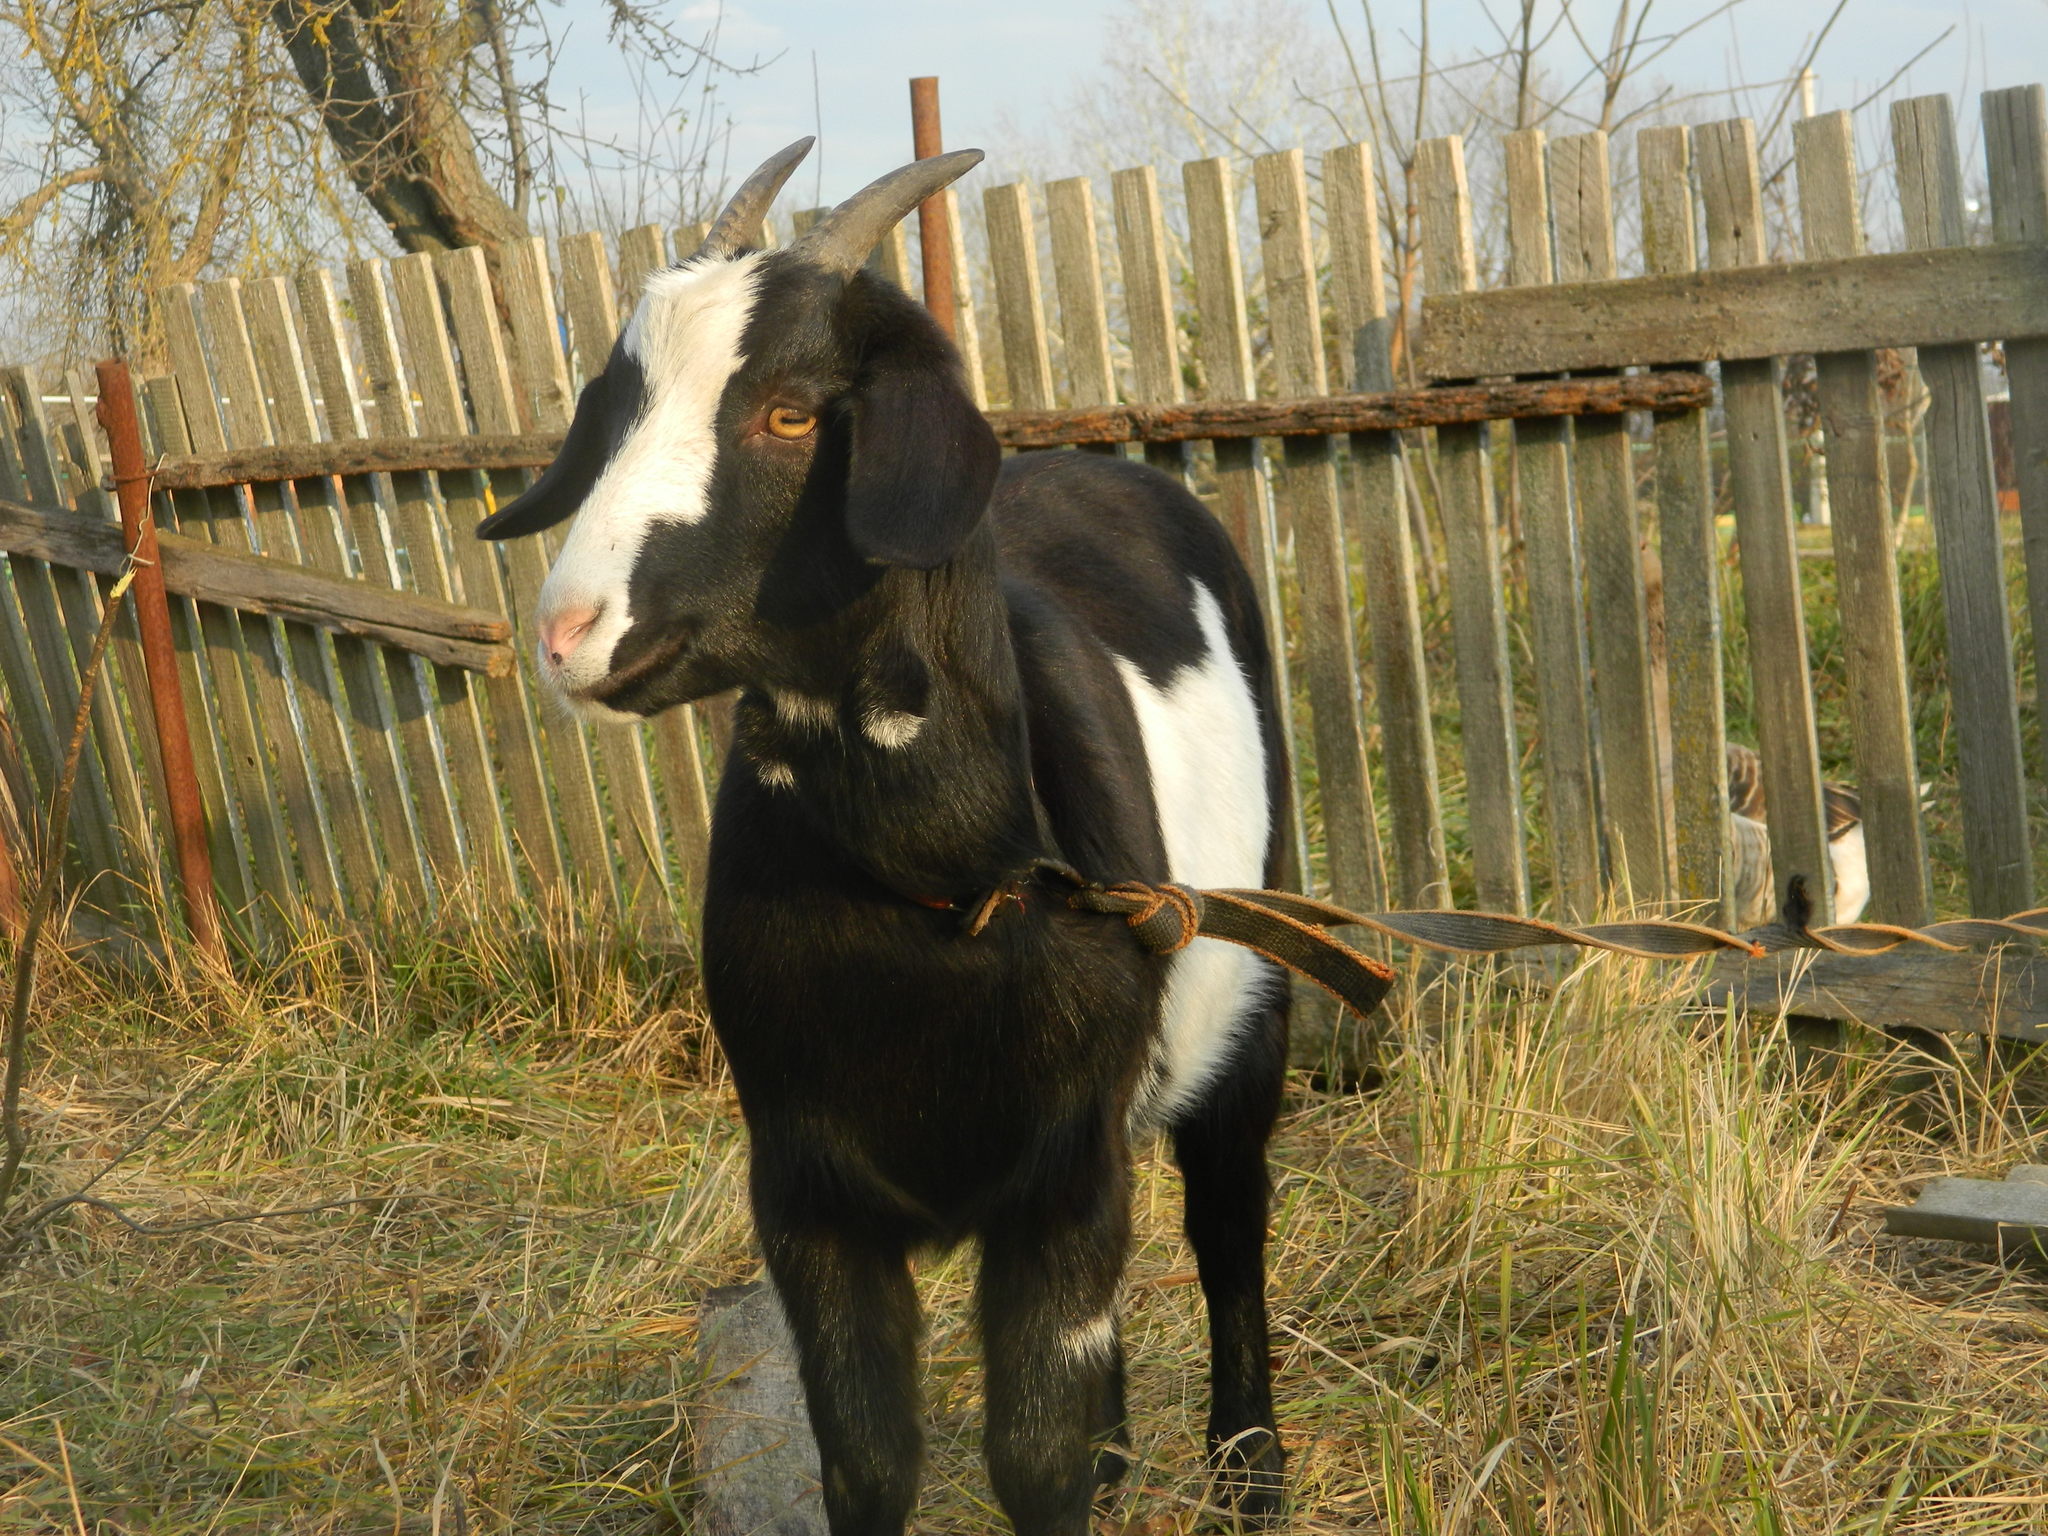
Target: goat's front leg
{"x":853,"y":1311}
{"x":1050,"y":1273}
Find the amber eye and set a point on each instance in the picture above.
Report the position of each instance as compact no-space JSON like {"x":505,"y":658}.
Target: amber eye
{"x":787,"y":422}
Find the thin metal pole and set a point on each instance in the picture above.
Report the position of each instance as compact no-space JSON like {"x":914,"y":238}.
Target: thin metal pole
{"x":159,"y":654}
{"x":934,"y":227}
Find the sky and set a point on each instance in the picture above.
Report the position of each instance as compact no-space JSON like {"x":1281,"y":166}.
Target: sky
{"x":842,"y":68}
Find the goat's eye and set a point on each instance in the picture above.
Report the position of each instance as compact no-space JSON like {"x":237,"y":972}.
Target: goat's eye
{"x":789,"y":423}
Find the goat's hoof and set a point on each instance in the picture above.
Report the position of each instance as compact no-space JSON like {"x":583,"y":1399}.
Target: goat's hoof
{"x":1250,"y":1481}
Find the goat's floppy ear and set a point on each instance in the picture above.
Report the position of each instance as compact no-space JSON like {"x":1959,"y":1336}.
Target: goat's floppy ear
{"x":565,"y":482}
{"x":924,"y":462}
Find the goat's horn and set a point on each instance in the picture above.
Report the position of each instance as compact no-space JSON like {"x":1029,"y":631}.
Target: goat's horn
{"x":842,"y":239}
{"x":740,"y":224}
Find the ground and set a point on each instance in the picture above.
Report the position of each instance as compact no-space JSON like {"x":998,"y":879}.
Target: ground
{"x":1588,"y":1261}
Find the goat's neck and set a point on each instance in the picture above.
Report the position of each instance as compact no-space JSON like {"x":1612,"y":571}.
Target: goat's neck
{"x":902,"y":735}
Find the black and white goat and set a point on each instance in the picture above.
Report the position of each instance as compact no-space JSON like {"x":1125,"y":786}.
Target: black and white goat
{"x":952,"y":666}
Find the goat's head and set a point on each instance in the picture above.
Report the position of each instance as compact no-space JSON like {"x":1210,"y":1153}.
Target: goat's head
{"x":772,"y":431}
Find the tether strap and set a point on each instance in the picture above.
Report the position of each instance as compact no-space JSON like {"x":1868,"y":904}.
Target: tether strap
{"x":1290,"y":930}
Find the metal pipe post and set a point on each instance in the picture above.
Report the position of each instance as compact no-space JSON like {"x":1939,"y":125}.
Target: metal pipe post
{"x":934,"y":227}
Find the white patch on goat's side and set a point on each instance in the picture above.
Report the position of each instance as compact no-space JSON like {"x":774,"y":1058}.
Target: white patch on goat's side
{"x":1208,"y":767}
{"x":685,"y":334}
{"x":776,"y":775}
{"x":891,"y":728}
{"x":1852,"y":874}
{"x":1092,"y":1342}
{"x":801,"y":709}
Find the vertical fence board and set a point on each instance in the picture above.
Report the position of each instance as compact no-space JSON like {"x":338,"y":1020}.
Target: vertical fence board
{"x":966,"y":329}
{"x":412,"y":705}
{"x":1493,"y":798}
{"x":108,"y":793}
{"x":259,"y":349}
{"x":272,"y":739}
{"x":2016,"y":157}
{"x":544,"y":374}
{"x":1773,"y":617}
{"x":472,"y":309}
{"x":1866,"y":570}
{"x":428,"y":366}
{"x":1350,"y":829}
{"x":1226,"y":357}
{"x":1380,"y":529}
{"x":273,"y":332}
{"x":440,"y":720}
{"x":242,"y":826}
{"x":1013,"y":253}
{"x":1077,"y":275}
{"x":349,"y":858}
{"x":1148,"y":302}
{"x":1550,"y":555}
{"x":1963,"y":506}
{"x":643,"y":249}
{"x":1603,"y":476}
{"x":1690,"y":548}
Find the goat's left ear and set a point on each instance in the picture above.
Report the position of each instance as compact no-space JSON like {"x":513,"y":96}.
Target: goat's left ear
{"x":564,"y":483}
{"x":924,"y":462}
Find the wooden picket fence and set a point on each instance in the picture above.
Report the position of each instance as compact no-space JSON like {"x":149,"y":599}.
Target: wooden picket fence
{"x":374,"y":729}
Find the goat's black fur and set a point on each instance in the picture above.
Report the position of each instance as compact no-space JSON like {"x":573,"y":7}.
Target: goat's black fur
{"x":907,"y":1086}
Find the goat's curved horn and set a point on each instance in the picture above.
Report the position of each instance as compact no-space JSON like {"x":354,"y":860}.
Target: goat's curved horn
{"x":841,"y":241}
{"x":740,"y":223}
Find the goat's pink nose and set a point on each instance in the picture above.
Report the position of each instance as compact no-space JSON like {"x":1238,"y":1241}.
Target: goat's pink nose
{"x":563,"y":630}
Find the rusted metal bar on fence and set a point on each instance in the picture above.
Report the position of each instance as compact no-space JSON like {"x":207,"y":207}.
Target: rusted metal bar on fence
{"x":444,"y":632}
{"x":1187,"y":421}
{"x":160,"y":657}
{"x":934,"y":225}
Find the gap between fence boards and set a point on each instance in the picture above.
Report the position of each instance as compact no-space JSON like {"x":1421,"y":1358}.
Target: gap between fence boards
{"x":444,"y":632}
{"x":1324,"y":415}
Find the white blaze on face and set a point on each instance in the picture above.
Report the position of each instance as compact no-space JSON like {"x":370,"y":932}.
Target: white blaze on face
{"x":685,"y":335}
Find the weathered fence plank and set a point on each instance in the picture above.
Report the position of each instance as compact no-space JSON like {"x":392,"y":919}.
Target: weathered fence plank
{"x":280,"y":366}
{"x":1013,"y":254}
{"x":67,"y":606}
{"x":1225,"y":353}
{"x":1380,"y":529}
{"x":1550,"y":546}
{"x":1350,"y":829}
{"x":1690,"y":551}
{"x":1611,"y":541}
{"x":1866,"y":570}
{"x":427,"y":366}
{"x":433,"y":808}
{"x":218,"y":517}
{"x":1911,"y":298}
{"x":1493,"y":795}
{"x":241,"y":832}
{"x":1148,"y":302}
{"x":1963,"y":507}
{"x":1077,"y":275}
{"x":1773,"y":616}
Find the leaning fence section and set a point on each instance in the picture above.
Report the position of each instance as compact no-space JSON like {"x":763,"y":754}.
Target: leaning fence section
{"x":1556,"y":489}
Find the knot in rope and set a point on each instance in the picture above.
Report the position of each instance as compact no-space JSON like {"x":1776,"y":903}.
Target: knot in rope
{"x":1166,"y":918}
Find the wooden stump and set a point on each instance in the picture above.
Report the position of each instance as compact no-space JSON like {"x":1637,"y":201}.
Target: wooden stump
{"x":757,"y":1465}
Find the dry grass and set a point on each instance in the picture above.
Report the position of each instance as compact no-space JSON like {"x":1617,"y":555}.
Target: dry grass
{"x":1585,"y":1263}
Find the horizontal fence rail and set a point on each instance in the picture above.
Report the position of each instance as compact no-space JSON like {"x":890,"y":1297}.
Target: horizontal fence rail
{"x":1497,"y":598}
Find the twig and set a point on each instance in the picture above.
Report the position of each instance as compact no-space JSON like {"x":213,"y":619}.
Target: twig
{"x":46,"y":891}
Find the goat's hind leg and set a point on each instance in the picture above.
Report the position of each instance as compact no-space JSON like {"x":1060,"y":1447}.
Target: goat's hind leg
{"x":1220,"y":1144}
{"x":1049,"y":1284}
{"x":853,"y":1311}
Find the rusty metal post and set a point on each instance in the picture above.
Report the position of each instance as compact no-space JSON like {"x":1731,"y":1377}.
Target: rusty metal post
{"x":934,"y":227}
{"x":159,"y":654}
